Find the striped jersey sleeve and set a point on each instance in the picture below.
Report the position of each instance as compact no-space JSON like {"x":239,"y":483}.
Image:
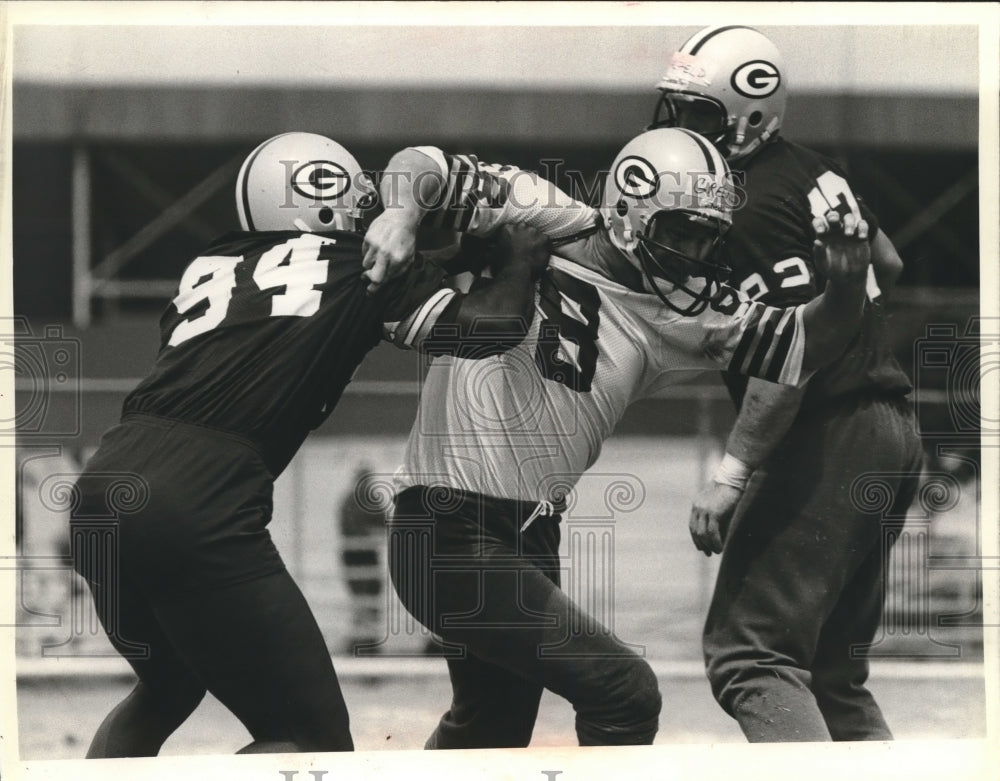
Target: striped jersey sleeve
{"x":409,"y":332}
{"x":757,"y":340}
{"x":413,"y":303}
{"x":479,"y":197}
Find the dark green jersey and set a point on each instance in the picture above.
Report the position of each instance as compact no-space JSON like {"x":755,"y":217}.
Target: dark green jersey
{"x":770,"y":249}
{"x":266,"y":330}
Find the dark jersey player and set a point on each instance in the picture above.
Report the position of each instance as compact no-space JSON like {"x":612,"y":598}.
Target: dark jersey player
{"x":264,"y":333}
{"x":799,"y":591}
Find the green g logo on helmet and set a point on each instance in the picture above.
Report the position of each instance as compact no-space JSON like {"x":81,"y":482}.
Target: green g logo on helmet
{"x":728,"y":84}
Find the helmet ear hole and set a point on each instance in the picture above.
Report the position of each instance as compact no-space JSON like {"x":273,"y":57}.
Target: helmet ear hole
{"x":325,"y":215}
{"x":755,"y":118}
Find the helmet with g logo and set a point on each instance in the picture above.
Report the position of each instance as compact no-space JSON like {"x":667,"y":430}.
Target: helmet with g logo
{"x":727,"y":83}
{"x":675,"y":176}
{"x":302,"y":181}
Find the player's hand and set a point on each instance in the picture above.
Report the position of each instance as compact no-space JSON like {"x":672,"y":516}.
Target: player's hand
{"x":841,"y":247}
{"x":522,"y":244}
{"x":711,"y":513}
{"x":389,"y":247}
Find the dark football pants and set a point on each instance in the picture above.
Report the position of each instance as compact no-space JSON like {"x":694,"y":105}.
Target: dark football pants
{"x":463,"y":568}
{"x":801,"y":577}
{"x":255,"y":645}
{"x":169,"y":530}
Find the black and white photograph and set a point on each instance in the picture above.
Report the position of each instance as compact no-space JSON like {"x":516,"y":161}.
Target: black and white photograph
{"x":542,"y":391}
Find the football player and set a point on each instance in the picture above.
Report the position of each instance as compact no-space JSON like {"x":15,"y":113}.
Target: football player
{"x":631,"y":295}
{"x":265,"y":331}
{"x":801,"y":576}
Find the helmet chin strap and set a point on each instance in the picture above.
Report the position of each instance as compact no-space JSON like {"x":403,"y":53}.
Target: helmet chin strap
{"x":700,"y":303}
{"x":741,"y":130}
{"x":769,"y":133}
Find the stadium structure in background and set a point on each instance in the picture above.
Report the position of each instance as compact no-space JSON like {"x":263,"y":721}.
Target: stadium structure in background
{"x":151,"y":167}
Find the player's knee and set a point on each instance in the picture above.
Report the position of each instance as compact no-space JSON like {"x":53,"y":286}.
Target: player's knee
{"x":839,"y":683}
{"x":725,"y":677}
{"x":644,"y":700}
{"x":729,"y":667}
{"x":321,"y":723}
{"x":184,"y":699}
{"x":738,"y":684}
{"x":173,"y":703}
{"x":271,"y":747}
{"x":337,"y":739}
{"x":637,"y":709}
{"x":629,"y":715}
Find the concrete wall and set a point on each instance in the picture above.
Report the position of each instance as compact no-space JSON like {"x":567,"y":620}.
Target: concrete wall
{"x":46,"y":112}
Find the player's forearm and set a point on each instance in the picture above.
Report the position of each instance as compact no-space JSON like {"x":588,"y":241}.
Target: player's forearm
{"x":765,"y":417}
{"x":472,"y":197}
{"x":497,"y":316}
{"x":885,"y":262}
{"x":832,"y":319}
{"x":411,"y":186}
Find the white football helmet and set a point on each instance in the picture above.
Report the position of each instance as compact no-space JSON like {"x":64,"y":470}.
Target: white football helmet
{"x":675,"y":179}
{"x":302,"y":181}
{"x":727,"y":83}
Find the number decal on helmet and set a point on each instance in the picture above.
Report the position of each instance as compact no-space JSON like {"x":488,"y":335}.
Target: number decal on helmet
{"x":756,"y":79}
{"x":636,"y":177}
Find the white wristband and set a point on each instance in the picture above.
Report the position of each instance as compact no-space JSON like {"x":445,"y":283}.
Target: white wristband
{"x":733,"y":472}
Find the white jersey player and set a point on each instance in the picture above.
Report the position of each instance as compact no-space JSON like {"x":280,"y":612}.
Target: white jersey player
{"x":631,"y":297}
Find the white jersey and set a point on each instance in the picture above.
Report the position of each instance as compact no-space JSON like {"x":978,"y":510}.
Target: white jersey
{"x":527,"y":423}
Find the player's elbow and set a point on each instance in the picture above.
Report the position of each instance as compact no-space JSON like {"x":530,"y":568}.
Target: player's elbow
{"x":411,"y":172}
{"x":411,"y":159}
